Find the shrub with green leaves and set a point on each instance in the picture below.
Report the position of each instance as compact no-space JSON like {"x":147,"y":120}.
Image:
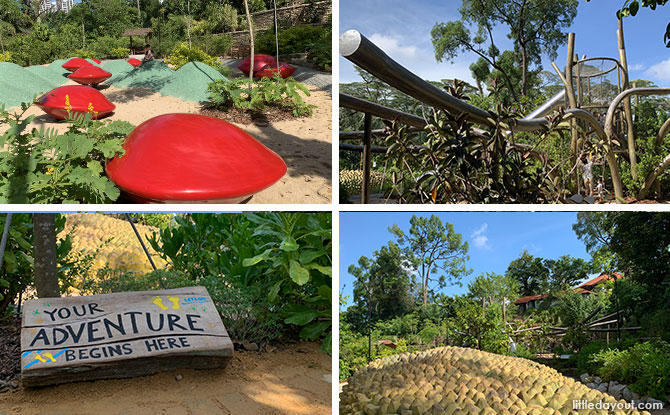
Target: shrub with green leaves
{"x":6,"y":56}
{"x":281,"y":262}
{"x":120,"y":53}
{"x":42,"y":166}
{"x":314,"y":40}
{"x":278,"y":92}
{"x":182,"y":54}
{"x":644,"y":367}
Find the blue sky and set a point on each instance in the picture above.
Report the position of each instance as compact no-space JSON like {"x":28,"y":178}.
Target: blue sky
{"x":402,"y":30}
{"x":495,"y":238}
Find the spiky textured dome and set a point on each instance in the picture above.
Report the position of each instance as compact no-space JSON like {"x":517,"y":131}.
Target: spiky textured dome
{"x":455,"y":380}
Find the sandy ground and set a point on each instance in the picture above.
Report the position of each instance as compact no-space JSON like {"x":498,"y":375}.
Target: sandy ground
{"x":291,"y":380}
{"x":305,"y":143}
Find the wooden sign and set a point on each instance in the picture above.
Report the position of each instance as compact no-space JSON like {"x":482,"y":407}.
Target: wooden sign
{"x":121,"y":335}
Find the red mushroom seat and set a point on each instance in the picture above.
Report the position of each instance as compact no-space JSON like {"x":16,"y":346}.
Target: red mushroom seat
{"x":76,"y":63}
{"x":269,"y":71}
{"x":182,"y":158}
{"x":78,"y":99}
{"x":134,"y":62}
{"x":259,"y":62}
{"x":98,"y":61}
{"x":89,"y":75}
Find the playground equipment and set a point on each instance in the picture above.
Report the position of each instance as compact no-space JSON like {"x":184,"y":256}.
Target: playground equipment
{"x":76,"y":63}
{"x":189,"y":158}
{"x":75,"y":99}
{"x":90,"y":75}
{"x":362,"y":52}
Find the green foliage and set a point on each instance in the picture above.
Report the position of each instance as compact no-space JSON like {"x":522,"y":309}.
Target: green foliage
{"x":481,"y":328}
{"x":491,"y":288}
{"x":238,"y":93}
{"x":383,"y":286}
{"x":535,"y":26}
{"x":182,"y":54}
{"x":16,"y":270}
{"x":432,"y":247}
{"x":245,"y":311}
{"x":46,"y":167}
{"x":631,"y":7}
{"x":216,"y":45}
{"x":6,"y":56}
{"x":220,"y":18}
{"x":644,"y":367}
{"x":571,"y":309}
{"x":159,"y":220}
{"x":317,"y":40}
{"x":120,"y":53}
{"x":286,"y":257}
{"x":530,"y":272}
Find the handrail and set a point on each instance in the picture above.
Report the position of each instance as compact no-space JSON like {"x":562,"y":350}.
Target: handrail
{"x":380,"y":111}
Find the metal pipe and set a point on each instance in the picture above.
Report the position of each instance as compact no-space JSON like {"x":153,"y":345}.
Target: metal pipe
{"x":139,"y":238}
{"x":348,"y":101}
{"x":548,"y":106}
{"x":361,"y":51}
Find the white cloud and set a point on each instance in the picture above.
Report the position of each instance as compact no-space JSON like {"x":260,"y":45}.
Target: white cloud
{"x":660,"y":70}
{"x":479,"y":239}
{"x":392,"y":47}
{"x":636,"y":67}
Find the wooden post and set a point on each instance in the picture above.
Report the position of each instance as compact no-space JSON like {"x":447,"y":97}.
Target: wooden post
{"x":120,"y":335}
{"x":579,"y":83}
{"x":626,"y":104}
{"x":46,"y":256}
{"x":367,"y":152}
{"x":570,"y":92}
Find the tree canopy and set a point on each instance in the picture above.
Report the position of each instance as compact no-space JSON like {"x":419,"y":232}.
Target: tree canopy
{"x":433,"y":247}
{"x":535,"y":27}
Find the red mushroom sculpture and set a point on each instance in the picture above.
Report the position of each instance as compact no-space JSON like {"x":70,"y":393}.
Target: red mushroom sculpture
{"x":75,"y":99}
{"x":134,"y":62}
{"x":182,"y":158}
{"x":76,"y":63}
{"x":90,"y":75}
{"x":270,"y":71}
{"x":259,"y":62}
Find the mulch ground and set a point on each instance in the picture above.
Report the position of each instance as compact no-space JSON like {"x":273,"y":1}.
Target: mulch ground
{"x":235,"y":115}
{"x":10,"y":354}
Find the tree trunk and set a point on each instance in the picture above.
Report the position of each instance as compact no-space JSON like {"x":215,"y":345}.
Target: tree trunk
{"x":46,"y":270}
{"x":139,"y":13}
{"x":188,"y":25}
{"x":524,"y":71}
{"x":251,"y":41}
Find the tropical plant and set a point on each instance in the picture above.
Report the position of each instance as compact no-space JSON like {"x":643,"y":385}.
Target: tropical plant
{"x":183,"y":54}
{"x":278,"y":92}
{"x":45,"y":167}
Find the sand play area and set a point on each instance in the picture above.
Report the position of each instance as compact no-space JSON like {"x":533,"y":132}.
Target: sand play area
{"x":304,"y":143}
{"x":294,"y":379}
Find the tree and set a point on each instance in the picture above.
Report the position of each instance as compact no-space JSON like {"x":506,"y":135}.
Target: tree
{"x":383,"y":284}
{"x":534,"y":27}
{"x":530,"y":272}
{"x":641,"y":242}
{"x":595,"y":230}
{"x":46,"y":255}
{"x":491,"y":288}
{"x":430,"y":247}
{"x":480,"y":72}
{"x":566,"y":271}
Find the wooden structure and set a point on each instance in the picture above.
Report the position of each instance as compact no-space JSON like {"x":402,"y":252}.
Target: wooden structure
{"x":121,"y":335}
{"x":143,"y":31}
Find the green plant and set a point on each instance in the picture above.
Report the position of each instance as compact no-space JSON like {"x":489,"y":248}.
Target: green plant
{"x":86,"y":54}
{"x":16,"y":270}
{"x":120,"y":53}
{"x":284,"y":257}
{"x":238,"y":93}
{"x":182,"y":54}
{"x":6,"y":56}
{"x":46,"y":167}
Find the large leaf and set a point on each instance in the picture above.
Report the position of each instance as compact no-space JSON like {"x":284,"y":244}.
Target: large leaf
{"x":299,"y":274}
{"x":314,"y":331}
{"x":247,"y":262}
{"x":288,"y":244}
{"x":301,"y":316}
